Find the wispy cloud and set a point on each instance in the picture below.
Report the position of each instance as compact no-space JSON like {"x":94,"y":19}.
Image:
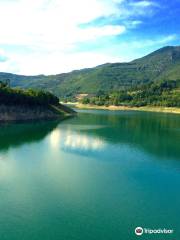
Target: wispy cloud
{"x":54,"y":23}
{"x":43,"y":36}
{"x":153,"y":42}
{"x":3,"y":57}
{"x":143,"y":4}
{"x":132,"y":49}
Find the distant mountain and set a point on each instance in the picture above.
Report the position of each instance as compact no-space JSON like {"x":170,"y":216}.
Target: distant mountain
{"x":161,"y":65}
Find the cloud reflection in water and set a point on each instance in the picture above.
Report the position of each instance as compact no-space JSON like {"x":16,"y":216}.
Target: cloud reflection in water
{"x":71,"y":140}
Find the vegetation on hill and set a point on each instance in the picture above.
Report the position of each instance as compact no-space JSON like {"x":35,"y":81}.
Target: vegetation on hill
{"x":161,"y":65}
{"x":18,"y":104}
{"x":165,"y":94}
{"x":29,"y":97}
{"x":151,"y":80}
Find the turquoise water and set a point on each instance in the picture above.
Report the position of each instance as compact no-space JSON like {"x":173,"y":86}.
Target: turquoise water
{"x":96,"y":176}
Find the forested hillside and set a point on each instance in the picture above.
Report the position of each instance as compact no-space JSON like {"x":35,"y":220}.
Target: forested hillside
{"x":165,"y":94}
{"x":159,"y":66}
{"x":18,"y":104}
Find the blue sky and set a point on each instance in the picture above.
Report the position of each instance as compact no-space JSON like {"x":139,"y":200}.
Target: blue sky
{"x":54,"y":36}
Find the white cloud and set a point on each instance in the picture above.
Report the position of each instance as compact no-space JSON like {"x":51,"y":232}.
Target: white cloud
{"x":143,"y":4}
{"x":136,"y":22}
{"x":168,"y":39}
{"x":57,"y":63}
{"x":50,"y":31}
{"x":52,"y":22}
{"x":3,"y":57}
{"x":152,"y":42}
{"x":132,"y":24}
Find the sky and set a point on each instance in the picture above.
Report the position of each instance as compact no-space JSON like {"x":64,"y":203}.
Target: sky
{"x":55,"y":36}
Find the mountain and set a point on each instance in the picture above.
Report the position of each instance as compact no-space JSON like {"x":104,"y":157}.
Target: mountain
{"x":161,"y":65}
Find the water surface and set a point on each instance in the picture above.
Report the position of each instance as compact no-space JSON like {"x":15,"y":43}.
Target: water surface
{"x":96,"y":176}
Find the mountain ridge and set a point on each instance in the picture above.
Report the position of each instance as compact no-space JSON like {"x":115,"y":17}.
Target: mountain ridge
{"x":160,"y":65}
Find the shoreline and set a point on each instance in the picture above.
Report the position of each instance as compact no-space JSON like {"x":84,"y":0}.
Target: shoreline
{"x":174,"y":110}
{"x":14,"y":113}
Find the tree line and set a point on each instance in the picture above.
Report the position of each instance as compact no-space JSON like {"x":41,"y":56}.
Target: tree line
{"x":29,"y":97}
{"x":166,"y":93}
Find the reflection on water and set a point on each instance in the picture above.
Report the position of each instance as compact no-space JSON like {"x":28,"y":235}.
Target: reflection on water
{"x":16,"y":134}
{"x":72,"y":140}
{"x":155,"y":133}
{"x":96,"y":176}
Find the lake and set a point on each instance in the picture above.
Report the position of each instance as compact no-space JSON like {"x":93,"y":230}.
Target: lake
{"x":96,"y":176}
